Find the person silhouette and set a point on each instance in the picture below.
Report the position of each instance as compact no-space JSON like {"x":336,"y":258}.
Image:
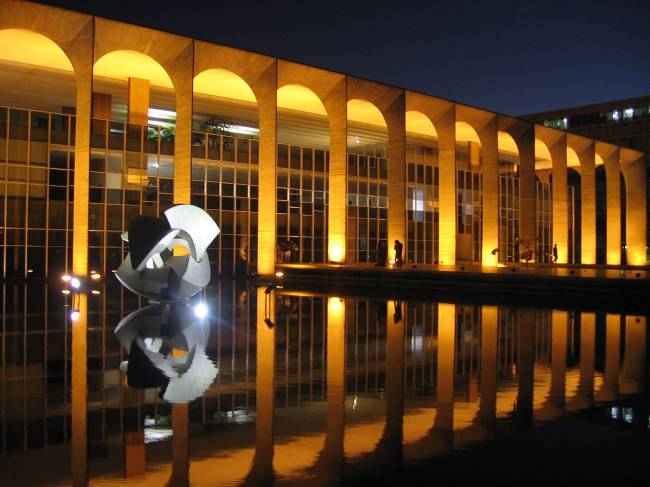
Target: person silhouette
{"x":554,"y":253}
{"x":398,"y":253}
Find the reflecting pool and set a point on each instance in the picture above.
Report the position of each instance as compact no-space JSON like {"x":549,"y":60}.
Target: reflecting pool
{"x":262,"y":386}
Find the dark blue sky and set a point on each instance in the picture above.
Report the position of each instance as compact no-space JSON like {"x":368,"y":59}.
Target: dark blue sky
{"x":509,"y":56}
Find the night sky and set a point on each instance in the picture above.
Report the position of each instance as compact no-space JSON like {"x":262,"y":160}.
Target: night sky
{"x":513,"y":57}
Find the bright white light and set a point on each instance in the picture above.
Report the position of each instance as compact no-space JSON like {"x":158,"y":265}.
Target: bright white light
{"x":163,"y":114}
{"x":201,"y":310}
{"x":74,"y":315}
{"x":242,"y":129}
{"x":279,"y":274}
{"x":628,"y":113}
{"x":356,"y":140}
{"x":95,"y":276}
{"x":616,"y":115}
{"x":66,"y":291}
{"x":65,"y":278}
{"x":75,"y":282}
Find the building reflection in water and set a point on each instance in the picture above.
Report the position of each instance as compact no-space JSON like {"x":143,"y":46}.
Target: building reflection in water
{"x":309,"y":388}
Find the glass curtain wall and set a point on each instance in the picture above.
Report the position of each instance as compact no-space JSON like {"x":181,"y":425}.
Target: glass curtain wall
{"x":509,"y":246}
{"x":131,"y":173}
{"x":469,"y":205}
{"x":225,"y":184}
{"x":422,"y":195}
{"x":544,"y":222}
{"x":36,"y":166}
{"x":302,"y":191}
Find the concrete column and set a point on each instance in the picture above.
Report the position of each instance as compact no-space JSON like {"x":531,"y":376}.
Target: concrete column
{"x":527,"y":199}
{"x":489,"y":354}
{"x":525,"y":365}
{"x":560,"y":199}
{"x":266,"y":233}
{"x":444,"y":424}
{"x":609,"y":389}
{"x":79,"y":399}
{"x":102,"y":106}
{"x":587,"y":157}
{"x":184,"y":88}
{"x":610,"y":155}
{"x":585,"y":396}
{"x":138,"y":107}
{"x":338,"y":166}
{"x":394,"y":390}
{"x":634,"y":172}
{"x":634,"y":359}
{"x":180,"y":446}
{"x":559,"y":340}
{"x":333,"y":453}
{"x":490,"y":169}
{"x":262,"y":469}
{"x":446,"y":128}
{"x":396,"y":120}
{"x":135,"y":460}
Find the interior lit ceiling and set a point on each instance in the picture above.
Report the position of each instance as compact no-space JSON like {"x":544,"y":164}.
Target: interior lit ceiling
{"x":122,"y":65}
{"x":224,"y":84}
{"x":28,"y":47}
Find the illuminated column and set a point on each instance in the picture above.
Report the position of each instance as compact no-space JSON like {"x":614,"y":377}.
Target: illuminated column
{"x":79,"y":406}
{"x":560,"y":199}
{"x":180,"y":446}
{"x":446,"y":127}
{"x":610,"y":155}
{"x":527,"y":199}
{"x":585,"y":396}
{"x":587,"y":158}
{"x":262,"y":469}
{"x":184,"y":90}
{"x":525,"y":365}
{"x":443,"y":426}
{"x":490,"y":170}
{"x":396,"y":120}
{"x":266,"y":233}
{"x":633,"y":370}
{"x":394,"y":390}
{"x":135,"y":460}
{"x":634,"y":171}
{"x":489,"y":348}
{"x":609,"y":389}
{"x":138,"y":108}
{"x":337,"y":198}
{"x":333,"y":453}
{"x":559,"y":337}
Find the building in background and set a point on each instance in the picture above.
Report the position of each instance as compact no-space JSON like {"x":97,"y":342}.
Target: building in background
{"x":622,"y":122}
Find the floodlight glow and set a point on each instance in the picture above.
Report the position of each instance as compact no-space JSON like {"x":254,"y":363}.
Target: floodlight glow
{"x":66,"y":291}
{"x":74,"y":315}
{"x":95,"y":275}
{"x":279,"y":274}
{"x":66,"y":278}
{"x":201,"y":310}
{"x":75,"y":282}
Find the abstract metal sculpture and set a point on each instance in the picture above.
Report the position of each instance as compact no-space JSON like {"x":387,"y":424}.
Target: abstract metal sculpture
{"x":166,"y":341}
{"x":152,"y":270}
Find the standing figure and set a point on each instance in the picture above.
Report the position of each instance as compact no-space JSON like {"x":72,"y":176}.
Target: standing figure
{"x":554,"y":253}
{"x":398,"y":253}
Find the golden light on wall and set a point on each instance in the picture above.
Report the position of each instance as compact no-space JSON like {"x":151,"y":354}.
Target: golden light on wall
{"x":123,"y":65}
{"x":223,"y":83}
{"x":26,"y":46}
{"x":542,"y":156}
{"x":418,"y":123}
{"x":299,"y":98}
{"x":466,"y":133}
{"x":365,"y":112}
{"x":335,"y":310}
{"x":336,"y":249}
{"x":507,"y":144}
{"x":599,"y":160}
{"x":572,"y":159}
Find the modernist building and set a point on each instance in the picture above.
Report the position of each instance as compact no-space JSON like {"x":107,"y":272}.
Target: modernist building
{"x":103,"y":120}
{"x":622,"y":122}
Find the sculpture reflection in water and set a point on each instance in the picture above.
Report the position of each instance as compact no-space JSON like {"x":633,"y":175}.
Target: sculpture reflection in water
{"x":166,"y":341}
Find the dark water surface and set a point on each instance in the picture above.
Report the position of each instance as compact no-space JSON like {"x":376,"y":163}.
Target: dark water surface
{"x":298,"y":389}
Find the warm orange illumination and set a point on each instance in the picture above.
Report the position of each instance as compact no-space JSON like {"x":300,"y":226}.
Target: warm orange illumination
{"x":542,"y":156}
{"x":599,"y":160}
{"x":336,"y":249}
{"x":507,"y":144}
{"x":123,"y":65}
{"x":418,"y":123}
{"x":223,"y":83}
{"x":465,"y":133}
{"x":572,"y":158}
{"x":297,"y":97}
{"x":488,"y":259}
{"x":335,"y":309}
{"x":365,"y":112}
{"x":26,"y":46}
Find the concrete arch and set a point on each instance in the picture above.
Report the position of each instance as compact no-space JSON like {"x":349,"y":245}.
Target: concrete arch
{"x":331,"y":90}
{"x":418,"y":123}
{"x":300,"y":98}
{"x":634,"y":172}
{"x":610,"y":155}
{"x":260,"y":74}
{"x":581,"y":155}
{"x":223,"y":83}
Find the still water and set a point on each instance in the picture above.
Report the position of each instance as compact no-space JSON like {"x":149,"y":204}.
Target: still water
{"x":303,"y":389}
